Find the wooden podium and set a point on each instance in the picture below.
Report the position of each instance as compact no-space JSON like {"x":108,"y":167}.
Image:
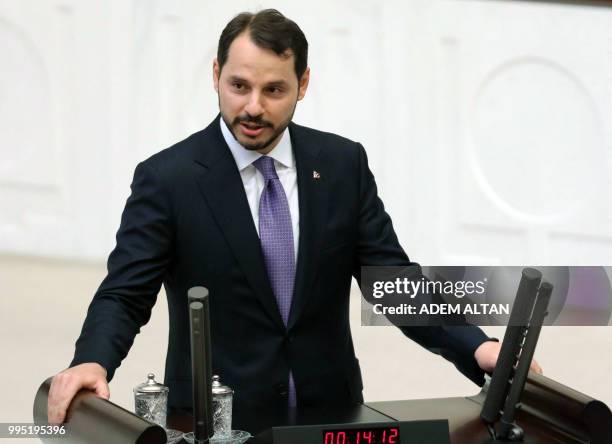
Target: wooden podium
{"x":550,"y":413}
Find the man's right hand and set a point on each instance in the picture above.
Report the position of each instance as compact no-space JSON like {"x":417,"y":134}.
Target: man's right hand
{"x":65,"y":386}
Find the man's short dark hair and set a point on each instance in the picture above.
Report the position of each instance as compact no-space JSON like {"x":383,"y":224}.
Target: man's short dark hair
{"x":268,"y":29}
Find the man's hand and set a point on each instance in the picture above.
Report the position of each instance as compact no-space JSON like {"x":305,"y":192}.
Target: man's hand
{"x":487,"y":353}
{"x":65,"y":386}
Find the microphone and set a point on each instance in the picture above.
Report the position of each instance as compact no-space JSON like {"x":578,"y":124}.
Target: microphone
{"x":201,"y":365}
{"x":519,"y":319}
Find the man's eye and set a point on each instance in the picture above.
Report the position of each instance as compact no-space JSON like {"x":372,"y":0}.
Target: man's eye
{"x":239,"y":87}
{"x":275,"y":90}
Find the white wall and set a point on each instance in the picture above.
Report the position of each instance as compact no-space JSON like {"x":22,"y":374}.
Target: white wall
{"x":487,"y":122}
{"x":488,"y":125}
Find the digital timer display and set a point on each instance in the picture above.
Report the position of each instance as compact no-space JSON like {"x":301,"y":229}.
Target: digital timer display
{"x":378,"y":435}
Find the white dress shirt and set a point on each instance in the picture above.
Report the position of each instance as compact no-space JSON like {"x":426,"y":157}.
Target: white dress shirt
{"x":253,"y":181}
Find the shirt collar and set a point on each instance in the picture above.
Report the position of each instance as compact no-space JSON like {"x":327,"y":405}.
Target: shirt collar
{"x":282,"y":152}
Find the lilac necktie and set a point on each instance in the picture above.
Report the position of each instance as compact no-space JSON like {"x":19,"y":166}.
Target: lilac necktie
{"x":276,"y":236}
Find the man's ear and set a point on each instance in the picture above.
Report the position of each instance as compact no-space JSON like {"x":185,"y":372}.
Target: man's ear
{"x":303,"y":85}
{"x":216,"y":72}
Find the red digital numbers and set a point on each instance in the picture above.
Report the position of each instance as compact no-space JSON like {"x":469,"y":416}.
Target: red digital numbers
{"x":392,"y":436}
{"x":362,"y":436}
{"x":336,"y":438}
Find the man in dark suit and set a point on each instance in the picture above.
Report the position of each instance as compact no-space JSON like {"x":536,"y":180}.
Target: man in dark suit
{"x":275,"y":219}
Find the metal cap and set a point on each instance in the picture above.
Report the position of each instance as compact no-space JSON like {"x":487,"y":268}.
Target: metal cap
{"x":218,"y":388}
{"x":150,"y":386}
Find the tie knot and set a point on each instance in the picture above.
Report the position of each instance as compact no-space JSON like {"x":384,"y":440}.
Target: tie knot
{"x":265,"y":165}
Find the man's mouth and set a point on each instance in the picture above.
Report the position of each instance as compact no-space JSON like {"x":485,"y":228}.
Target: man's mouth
{"x":251,"y":129}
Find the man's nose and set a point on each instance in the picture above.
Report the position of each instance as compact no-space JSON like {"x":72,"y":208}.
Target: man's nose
{"x":254,"y":107}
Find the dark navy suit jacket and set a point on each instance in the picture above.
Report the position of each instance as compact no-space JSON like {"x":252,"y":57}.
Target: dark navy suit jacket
{"x":187,"y":223}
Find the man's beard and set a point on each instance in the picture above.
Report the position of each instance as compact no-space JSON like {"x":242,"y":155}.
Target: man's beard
{"x":257,"y":120}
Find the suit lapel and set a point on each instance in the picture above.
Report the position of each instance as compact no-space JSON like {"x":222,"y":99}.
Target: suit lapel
{"x":312,"y":192}
{"x":222,"y":187}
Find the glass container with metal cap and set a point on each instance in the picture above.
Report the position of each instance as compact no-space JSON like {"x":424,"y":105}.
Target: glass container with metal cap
{"x":222,"y":409}
{"x":151,"y":400}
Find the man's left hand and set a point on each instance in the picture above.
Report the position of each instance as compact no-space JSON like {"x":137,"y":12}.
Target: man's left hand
{"x":487,"y":353}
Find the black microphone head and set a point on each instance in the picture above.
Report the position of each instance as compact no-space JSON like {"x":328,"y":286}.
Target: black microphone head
{"x":197,"y":294}
{"x":196,"y":306}
{"x":546,"y":288}
{"x":531,"y":274}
